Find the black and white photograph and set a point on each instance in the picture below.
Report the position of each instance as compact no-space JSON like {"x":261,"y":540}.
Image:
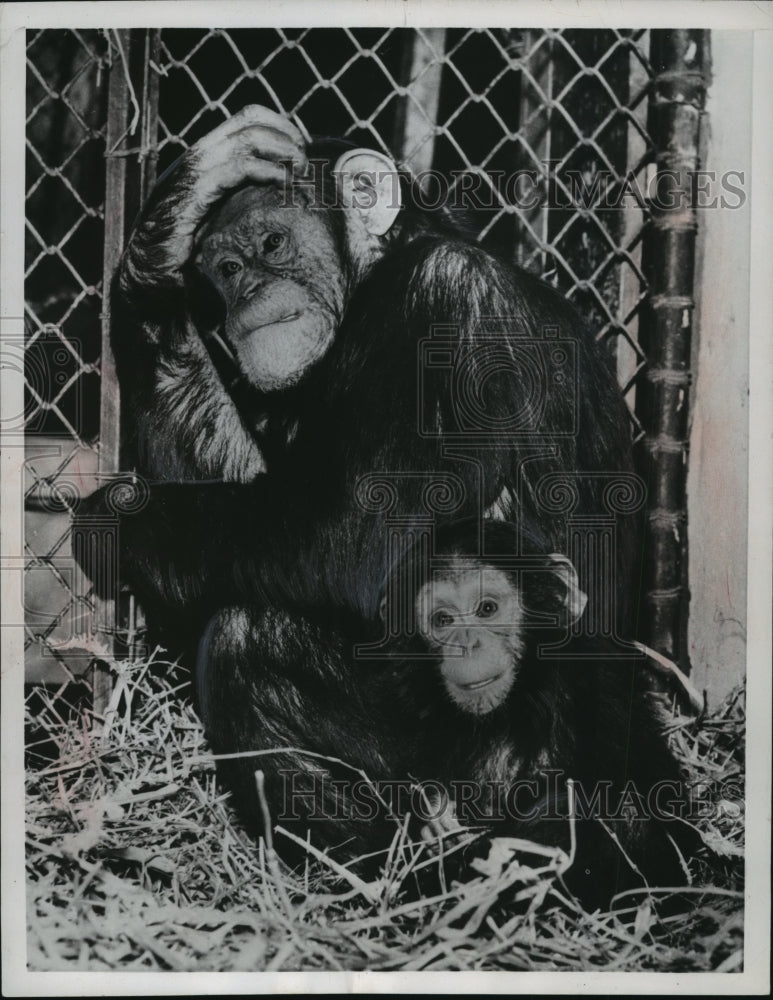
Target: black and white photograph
{"x":386,"y":497}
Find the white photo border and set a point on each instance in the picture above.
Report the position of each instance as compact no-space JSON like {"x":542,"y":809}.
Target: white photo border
{"x":753,"y":17}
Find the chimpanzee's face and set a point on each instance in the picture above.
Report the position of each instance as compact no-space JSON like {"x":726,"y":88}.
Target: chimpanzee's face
{"x":473,"y":615}
{"x":280,"y":273}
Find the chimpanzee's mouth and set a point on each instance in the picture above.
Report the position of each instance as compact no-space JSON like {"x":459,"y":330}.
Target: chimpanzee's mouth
{"x":289,"y":318}
{"x":476,"y":685}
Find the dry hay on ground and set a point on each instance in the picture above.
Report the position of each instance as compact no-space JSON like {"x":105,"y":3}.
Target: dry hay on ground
{"x":136,"y":862}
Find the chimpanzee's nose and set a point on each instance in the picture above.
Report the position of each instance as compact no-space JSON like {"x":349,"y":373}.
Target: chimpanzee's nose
{"x":470,"y":639}
{"x":250,"y":285}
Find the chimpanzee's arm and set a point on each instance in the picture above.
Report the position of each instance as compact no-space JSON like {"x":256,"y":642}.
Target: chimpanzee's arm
{"x":183,"y":422}
{"x":254,"y":145}
{"x":191,"y":548}
{"x":251,"y":543}
{"x":188,"y":544}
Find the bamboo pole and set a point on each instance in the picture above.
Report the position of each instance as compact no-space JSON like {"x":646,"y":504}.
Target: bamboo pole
{"x":679,"y":60}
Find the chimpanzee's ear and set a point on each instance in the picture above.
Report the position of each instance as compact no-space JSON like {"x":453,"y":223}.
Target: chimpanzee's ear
{"x":574,"y":599}
{"x":370,"y":185}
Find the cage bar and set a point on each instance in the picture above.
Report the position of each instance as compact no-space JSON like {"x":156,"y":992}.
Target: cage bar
{"x":416,"y":118}
{"x":665,"y":333}
{"x":131,"y":117}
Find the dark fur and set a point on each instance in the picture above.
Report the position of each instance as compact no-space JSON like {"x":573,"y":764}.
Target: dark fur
{"x":294,"y":547}
{"x":302,"y":537}
{"x":589,"y":719}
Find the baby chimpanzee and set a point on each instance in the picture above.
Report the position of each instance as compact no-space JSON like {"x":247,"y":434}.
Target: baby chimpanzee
{"x":502,"y":701}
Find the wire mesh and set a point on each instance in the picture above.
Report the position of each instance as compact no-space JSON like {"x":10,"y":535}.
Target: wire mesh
{"x":67,"y":73}
{"x":476,"y":106}
{"x":565,"y":111}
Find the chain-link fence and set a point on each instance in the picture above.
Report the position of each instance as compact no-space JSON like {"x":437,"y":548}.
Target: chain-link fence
{"x":570,"y":114}
{"x":67,"y":76}
{"x":478,"y":107}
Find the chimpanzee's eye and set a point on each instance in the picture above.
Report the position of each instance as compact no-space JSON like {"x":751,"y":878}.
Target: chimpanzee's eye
{"x":442,"y":619}
{"x":273,"y":242}
{"x":487,"y":608}
{"x":228,"y":268}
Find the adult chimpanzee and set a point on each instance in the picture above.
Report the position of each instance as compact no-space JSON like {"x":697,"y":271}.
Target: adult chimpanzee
{"x":493,"y":705}
{"x":361,"y":336}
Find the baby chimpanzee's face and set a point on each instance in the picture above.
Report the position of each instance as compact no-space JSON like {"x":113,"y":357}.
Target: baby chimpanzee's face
{"x":473,"y":615}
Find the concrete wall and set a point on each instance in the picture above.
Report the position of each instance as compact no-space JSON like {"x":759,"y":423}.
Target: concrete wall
{"x":718,"y":475}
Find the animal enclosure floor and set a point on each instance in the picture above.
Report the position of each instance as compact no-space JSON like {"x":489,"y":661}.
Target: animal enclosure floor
{"x":136,"y":862}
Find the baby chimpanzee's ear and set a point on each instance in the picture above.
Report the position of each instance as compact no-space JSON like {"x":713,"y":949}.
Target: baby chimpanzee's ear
{"x":570,"y":595}
{"x":370,"y":186}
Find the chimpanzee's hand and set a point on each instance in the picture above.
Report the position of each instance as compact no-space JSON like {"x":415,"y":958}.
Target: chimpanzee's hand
{"x":443,"y":822}
{"x":118,"y":531}
{"x":168,"y":542}
{"x":254,"y":145}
